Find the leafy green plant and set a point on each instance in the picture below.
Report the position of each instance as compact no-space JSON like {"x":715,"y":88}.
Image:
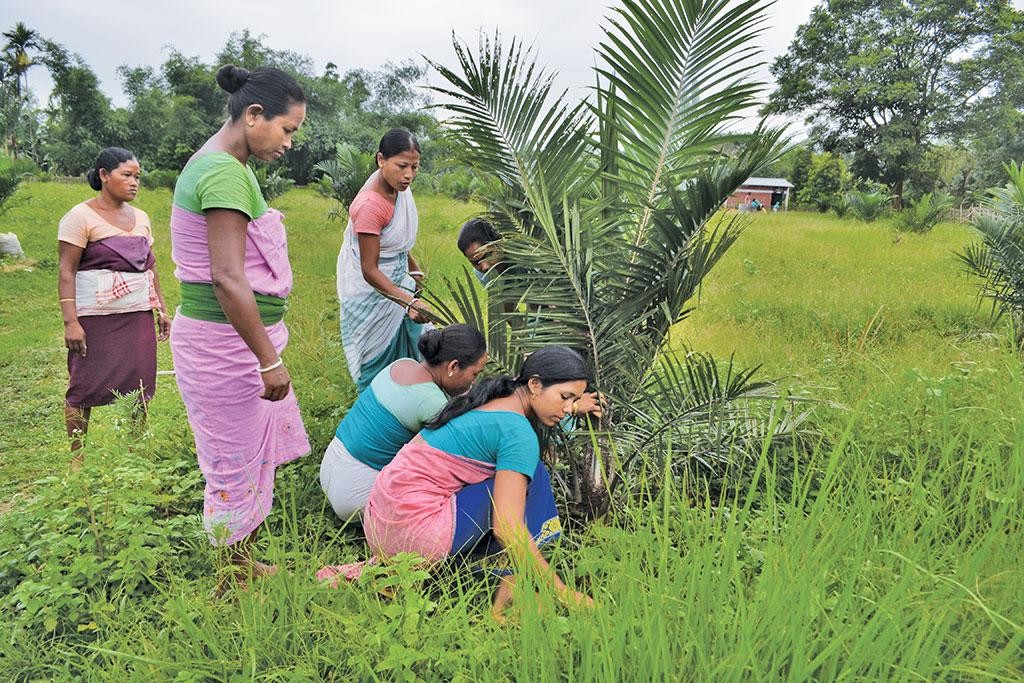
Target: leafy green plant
{"x":926,"y":213}
{"x":827,"y":180}
{"x":344,"y":175}
{"x":160,"y":177}
{"x":273,"y":182}
{"x":609,"y":215}
{"x":998,"y":260}
{"x":867,"y":206}
{"x":12,"y":172}
{"x":841,"y":205}
{"x":101,"y":535}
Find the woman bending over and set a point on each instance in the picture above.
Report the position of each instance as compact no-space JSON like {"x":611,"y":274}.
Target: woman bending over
{"x":390,"y":412}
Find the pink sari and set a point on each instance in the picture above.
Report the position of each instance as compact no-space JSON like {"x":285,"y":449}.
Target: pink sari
{"x":240,"y":438}
{"x":412,"y":505}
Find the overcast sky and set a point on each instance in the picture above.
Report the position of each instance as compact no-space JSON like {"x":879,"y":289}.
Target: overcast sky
{"x":108,"y":33}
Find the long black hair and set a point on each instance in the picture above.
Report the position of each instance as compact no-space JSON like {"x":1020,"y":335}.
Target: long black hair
{"x":551,"y":365}
{"x":108,"y":160}
{"x":271,"y":88}
{"x":463,"y":343}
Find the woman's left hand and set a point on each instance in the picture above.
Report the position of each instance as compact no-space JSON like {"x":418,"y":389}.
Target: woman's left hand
{"x":592,"y":403}
{"x":163,"y":325}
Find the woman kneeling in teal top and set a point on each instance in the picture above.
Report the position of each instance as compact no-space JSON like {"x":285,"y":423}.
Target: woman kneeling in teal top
{"x":472,"y":482}
{"x":400,"y":399}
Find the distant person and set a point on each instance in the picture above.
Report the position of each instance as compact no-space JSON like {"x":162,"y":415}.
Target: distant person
{"x":474,"y":238}
{"x":375,"y":257}
{"x":108,"y":290}
{"x":472,"y":483}
{"x":229,"y":335}
{"x":392,"y":410}
{"x":756,"y":205}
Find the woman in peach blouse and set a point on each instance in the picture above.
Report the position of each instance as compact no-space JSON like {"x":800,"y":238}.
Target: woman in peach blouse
{"x":108,"y":291}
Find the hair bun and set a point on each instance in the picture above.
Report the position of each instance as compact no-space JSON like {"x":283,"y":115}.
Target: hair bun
{"x":429,"y":345}
{"x":94,"y":180}
{"x":231,"y":77}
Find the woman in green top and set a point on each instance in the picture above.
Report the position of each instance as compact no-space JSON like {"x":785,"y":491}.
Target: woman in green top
{"x":231,"y":257}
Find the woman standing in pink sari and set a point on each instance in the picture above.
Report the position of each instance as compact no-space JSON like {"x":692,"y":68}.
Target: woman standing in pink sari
{"x":227,"y":338}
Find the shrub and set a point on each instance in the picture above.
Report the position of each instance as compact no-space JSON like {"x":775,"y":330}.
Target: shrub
{"x":151,"y":180}
{"x":12,"y":172}
{"x":826,"y":180}
{"x":867,"y":205}
{"x":273,"y":183}
{"x":101,"y":535}
{"x":344,"y":175}
{"x":926,"y":213}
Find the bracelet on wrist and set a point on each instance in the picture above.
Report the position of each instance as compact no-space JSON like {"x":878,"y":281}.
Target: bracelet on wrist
{"x":414,"y":273}
{"x":412,"y":302}
{"x":63,"y":300}
{"x":272,"y":366}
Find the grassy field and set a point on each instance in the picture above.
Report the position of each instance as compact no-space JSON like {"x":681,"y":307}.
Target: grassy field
{"x":892,"y":554}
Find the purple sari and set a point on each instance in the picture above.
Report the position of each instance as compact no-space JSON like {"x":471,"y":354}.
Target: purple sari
{"x":121,"y":347}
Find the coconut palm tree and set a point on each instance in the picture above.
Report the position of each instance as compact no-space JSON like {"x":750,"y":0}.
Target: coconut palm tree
{"x":999,"y":258}
{"x":609,"y":211}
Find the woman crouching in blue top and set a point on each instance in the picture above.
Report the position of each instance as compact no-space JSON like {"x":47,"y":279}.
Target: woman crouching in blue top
{"x":393,"y":408}
{"x":472,"y":482}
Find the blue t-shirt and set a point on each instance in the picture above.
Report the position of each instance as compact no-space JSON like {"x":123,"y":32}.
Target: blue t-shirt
{"x":500,"y":437}
{"x":386,"y":416}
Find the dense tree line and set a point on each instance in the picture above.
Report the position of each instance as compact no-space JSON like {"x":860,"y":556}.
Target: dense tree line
{"x":174,"y":107}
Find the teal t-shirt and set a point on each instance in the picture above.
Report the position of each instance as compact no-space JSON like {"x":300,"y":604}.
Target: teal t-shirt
{"x":386,"y":416}
{"x":219,"y":181}
{"x":500,"y":437}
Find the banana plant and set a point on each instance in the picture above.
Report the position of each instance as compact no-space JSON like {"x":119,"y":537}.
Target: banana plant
{"x":609,"y":211}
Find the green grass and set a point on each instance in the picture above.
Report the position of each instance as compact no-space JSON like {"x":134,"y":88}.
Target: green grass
{"x":892,"y":552}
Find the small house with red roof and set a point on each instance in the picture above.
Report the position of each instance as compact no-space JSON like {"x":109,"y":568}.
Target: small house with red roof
{"x":770,"y":192}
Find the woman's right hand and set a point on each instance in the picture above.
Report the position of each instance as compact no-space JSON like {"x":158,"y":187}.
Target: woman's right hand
{"x":416,"y":316}
{"x":276,"y":383}
{"x":74,"y":338}
{"x":571,"y":598}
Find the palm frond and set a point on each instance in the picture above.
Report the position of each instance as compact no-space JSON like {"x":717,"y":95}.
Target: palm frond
{"x":514,"y":128}
{"x":674,"y":72}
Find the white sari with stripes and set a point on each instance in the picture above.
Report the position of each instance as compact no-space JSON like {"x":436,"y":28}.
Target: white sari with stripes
{"x":369,"y":321}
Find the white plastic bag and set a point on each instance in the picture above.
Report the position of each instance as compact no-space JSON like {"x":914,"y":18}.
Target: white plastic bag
{"x":9,"y":245}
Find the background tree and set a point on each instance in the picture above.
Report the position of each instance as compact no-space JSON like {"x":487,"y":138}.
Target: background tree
{"x":15,"y":106}
{"x":826,"y":182}
{"x":80,"y":120}
{"x":883,"y":79}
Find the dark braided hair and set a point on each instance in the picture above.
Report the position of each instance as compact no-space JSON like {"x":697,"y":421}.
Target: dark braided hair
{"x":551,"y":365}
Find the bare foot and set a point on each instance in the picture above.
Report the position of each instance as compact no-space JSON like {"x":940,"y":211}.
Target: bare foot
{"x":260,"y":570}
